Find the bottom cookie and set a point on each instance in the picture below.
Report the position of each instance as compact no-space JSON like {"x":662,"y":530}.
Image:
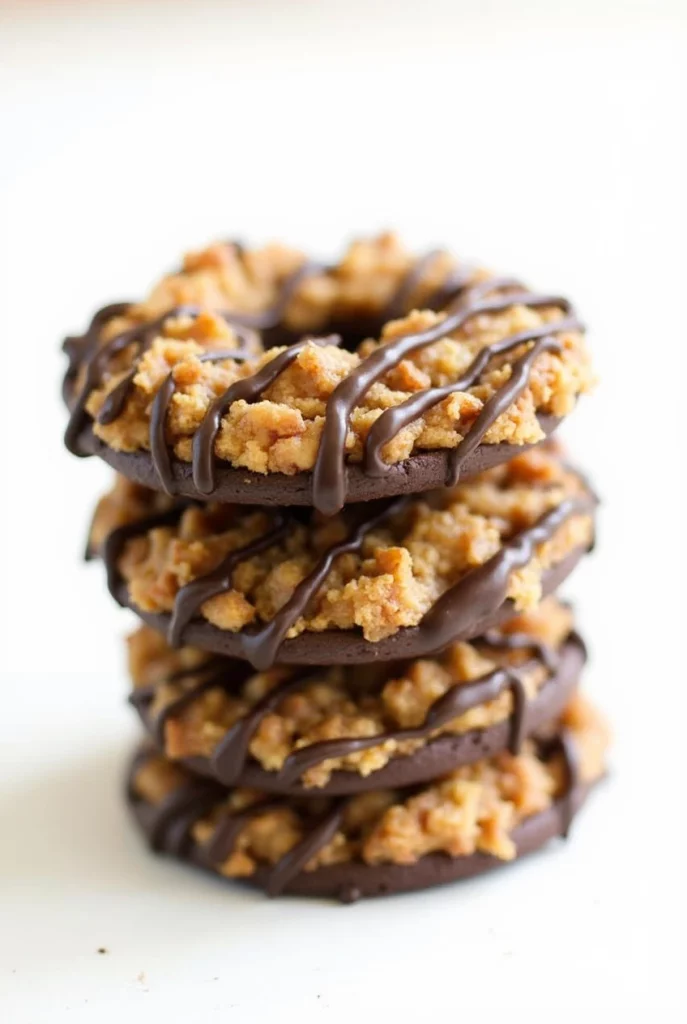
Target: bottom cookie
{"x":463,"y":824}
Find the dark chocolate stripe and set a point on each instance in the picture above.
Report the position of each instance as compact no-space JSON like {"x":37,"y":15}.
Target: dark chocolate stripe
{"x":96,"y":359}
{"x":185,"y":804}
{"x":219,"y":677}
{"x":459,"y":699}
{"x":249,"y":389}
{"x":159,"y":451}
{"x":464,"y":301}
{"x":279,"y":875}
{"x":167,"y":826}
{"x":194,"y":594}
{"x":79,"y":347}
{"x":464,"y":608}
{"x":395,"y":419}
{"x":230,"y":826}
{"x":232,"y":754}
{"x":568,"y":748}
{"x":261,"y":647}
{"x":544,"y":652}
{"x":329,"y":478}
{"x":293,"y":862}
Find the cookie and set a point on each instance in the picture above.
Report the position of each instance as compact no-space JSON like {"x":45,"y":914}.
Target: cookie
{"x":471,"y":820}
{"x":260,"y":377}
{"x":341,"y":731}
{"x":382,"y":581}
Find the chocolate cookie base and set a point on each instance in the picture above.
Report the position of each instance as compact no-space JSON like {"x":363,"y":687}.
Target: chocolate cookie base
{"x":421,"y":472}
{"x":438,"y":757}
{"x":342,"y":647}
{"x":353,"y":880}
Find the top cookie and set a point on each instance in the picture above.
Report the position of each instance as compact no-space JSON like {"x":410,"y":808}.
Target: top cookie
{"x":260,"y":377}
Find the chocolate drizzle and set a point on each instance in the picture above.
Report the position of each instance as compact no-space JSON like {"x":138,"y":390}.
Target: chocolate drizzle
{"x":168,"y":825}
{"x":260,"y":647}
{"x":232,"y":754}
{"x":159,"y":451}
{"x":247,"y":390}
{"x":96,"y":359}
{"x":194,"y":594}
{"x":463,"y":611}
{"x":329,"y":480}
{"x":395,"y":419}
{"x":465,"y":608}
{"x":454,"y":703}
{"x":293,"y":862}
{"x":568,"y":748}
{"x":172,"y":818}
{"x":462,"y":301}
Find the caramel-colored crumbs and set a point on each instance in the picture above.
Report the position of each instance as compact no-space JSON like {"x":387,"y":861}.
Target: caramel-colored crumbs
{"x":404,"y":567}
{"x":126,"y":503}
{"x":474,"y":808}
{"x":336,"y":703}
{"x":281,"y":432}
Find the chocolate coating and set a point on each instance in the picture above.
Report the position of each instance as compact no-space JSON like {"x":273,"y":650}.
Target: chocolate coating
{"x":422,"y":472}
{"x":354,"y":880}
{"x":437,"y":757}
{"x":341,"y":647}
{"x":331,"y":483}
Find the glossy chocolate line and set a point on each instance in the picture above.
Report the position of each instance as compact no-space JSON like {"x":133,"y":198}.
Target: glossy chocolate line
{"x":459,"y":699}
{"x":217,"y":678}
{"x":229,"y":828}
{"x":114,"y":403}
{"x":95,"y":361}
{"x":96,"y":358}
{"x":293,"y":862}
{"x":194,"y":594}
{"x":232,"y":754}
{"x":227,"y":832}
{"x":464,"y":607}
{"x":565,"y":743}
{"x":189,"y":802}
{"x":329,"y":478}
{"x":159,"y":450}
{"x":465,"y":300}
{"x":80,"y":346}
{"x":169,"y":827}
{"x":261,"y":648}
{"x":143,"y":335}
{"x":544,"y":652}
{"x":395,"y":419}
{"x":249,"y":389}
{"x":462,"y":610}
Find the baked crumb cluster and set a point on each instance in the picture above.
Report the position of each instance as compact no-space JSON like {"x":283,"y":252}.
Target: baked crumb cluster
{"x":404,"y":567}
{"x":337,"y":702}
{"x":281,"y":432}
{"x":124,"y":503}
{"x":474,"y":808}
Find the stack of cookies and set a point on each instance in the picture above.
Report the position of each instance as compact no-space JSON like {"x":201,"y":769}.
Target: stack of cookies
{"x":341,"y":520}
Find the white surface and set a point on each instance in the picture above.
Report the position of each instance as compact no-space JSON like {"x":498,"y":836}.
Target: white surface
{"x":552,"y":148}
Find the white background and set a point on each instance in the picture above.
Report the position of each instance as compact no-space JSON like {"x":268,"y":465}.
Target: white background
{"x":547,"y":141}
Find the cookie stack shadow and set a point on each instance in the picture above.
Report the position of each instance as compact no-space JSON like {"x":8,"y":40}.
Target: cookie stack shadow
{"x":354,"y":670}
